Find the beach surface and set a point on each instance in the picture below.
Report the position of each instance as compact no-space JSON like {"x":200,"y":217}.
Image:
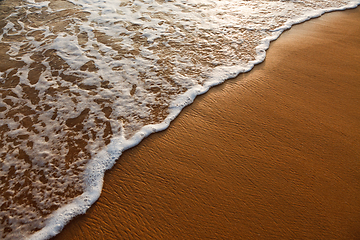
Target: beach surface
{"x":271,"y":154}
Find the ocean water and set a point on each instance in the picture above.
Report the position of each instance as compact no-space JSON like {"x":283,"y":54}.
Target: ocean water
{"x":83,"y":80}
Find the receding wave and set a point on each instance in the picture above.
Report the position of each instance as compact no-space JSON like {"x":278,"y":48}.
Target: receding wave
{"x":83,"y":80}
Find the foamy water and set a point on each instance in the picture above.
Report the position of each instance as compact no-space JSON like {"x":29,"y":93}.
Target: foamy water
{"x":84,"y":80}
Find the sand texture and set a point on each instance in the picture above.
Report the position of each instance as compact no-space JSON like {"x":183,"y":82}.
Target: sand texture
{"x":272,"y":154}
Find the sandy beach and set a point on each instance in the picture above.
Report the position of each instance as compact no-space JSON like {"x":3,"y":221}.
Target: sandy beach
{"x":271,"y":154}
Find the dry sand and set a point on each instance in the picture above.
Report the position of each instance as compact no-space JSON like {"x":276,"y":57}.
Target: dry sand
{"x":272,"y":154}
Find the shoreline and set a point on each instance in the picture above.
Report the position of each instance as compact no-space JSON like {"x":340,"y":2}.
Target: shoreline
{"x":152,"y":183}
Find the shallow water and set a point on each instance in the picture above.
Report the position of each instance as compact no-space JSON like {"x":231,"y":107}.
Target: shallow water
{"x":83,"y":80}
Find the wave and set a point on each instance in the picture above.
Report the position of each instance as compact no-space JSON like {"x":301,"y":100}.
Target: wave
{"x":84,"y":80}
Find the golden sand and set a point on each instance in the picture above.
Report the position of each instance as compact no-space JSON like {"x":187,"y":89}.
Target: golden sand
{"x":272,"y":154}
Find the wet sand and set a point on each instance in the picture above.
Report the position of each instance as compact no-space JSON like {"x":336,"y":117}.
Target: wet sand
{"x":272,"y":154}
